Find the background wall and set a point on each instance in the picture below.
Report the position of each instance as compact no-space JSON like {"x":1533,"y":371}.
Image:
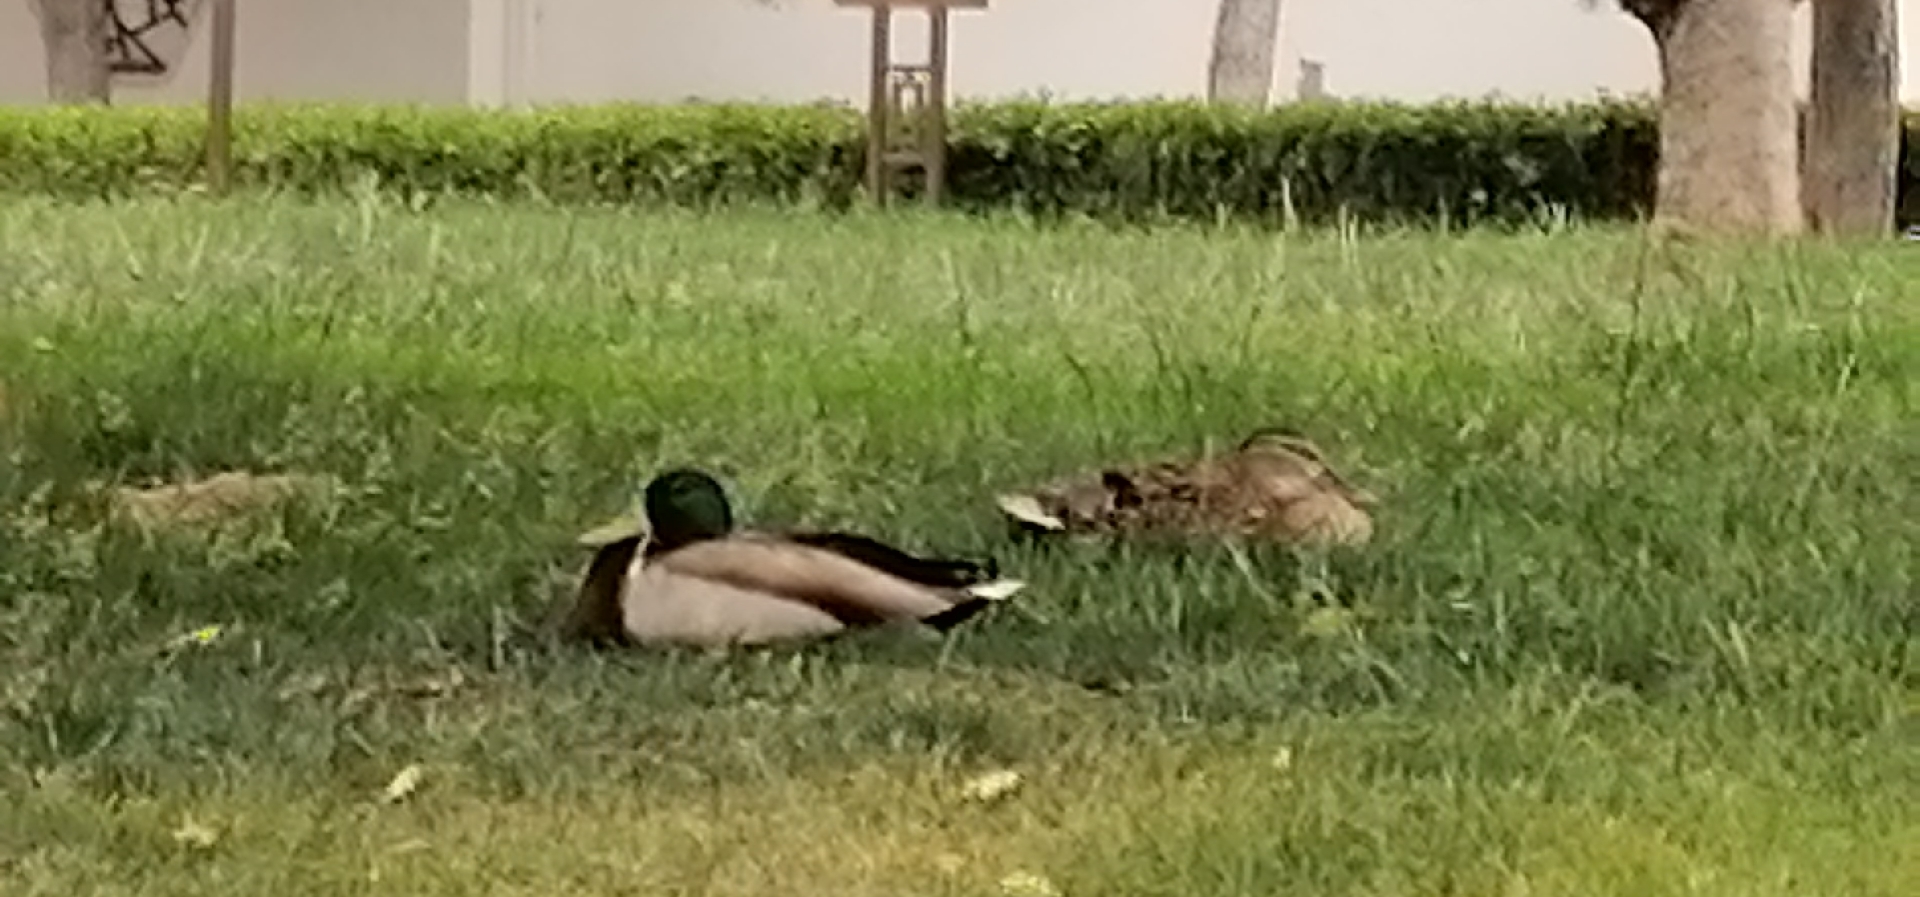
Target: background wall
{"x":289,"y":49}
{"x":801,"y":50}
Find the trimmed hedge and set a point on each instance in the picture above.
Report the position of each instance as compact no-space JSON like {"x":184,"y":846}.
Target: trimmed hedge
{"x":685,"y":154}
{"x":1461,"y":162}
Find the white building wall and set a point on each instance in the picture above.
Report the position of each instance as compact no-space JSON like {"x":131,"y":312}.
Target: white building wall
{"x":506,"y":51}
{"x":801,"y":50}
{"x":288,"y":50}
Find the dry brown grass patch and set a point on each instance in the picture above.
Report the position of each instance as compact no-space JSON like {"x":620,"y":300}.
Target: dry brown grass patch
{"x":210,"y":502}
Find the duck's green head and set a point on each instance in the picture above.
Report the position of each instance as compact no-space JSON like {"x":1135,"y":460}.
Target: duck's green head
{"x":686,"y":505}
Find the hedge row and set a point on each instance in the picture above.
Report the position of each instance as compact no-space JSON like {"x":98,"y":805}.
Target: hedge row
{"x":1463,"y":162}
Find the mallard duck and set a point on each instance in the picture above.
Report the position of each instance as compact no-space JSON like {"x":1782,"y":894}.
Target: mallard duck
{"x":697,"y":580}
{"x":1274,"y":486}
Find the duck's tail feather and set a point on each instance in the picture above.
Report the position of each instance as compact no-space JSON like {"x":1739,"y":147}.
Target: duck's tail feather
{"x":979,"y":598}
{"x":997,"y":590}
{"x":960,"y":613}
{"x":1027,"y":511}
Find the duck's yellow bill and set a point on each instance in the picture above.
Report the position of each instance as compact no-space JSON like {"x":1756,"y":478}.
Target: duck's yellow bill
{"x":623,"y":527}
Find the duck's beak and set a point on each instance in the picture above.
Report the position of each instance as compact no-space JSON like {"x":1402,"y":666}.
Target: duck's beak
{"x":626,"y":526}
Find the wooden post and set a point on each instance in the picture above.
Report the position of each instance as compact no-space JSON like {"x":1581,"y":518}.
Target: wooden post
{"x":220,"y":101}
{"x":936,"y":149}
{"x":879,"y":186}
{"x":928,"y":82}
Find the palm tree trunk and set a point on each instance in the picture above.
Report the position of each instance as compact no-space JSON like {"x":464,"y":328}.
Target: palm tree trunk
{"x":1853,"y":123}
{"x":1729,"y":132}
{"x":75,"y":35}
{"x":1244,"y":35}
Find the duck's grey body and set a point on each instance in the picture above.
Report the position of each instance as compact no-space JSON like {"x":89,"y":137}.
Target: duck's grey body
{"x":749,"y":590}
{"x":757,"y":588}
{"x":659,"y":606}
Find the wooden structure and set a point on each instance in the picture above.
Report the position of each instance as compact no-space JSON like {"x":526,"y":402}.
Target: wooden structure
{"x":907,"y":102}
{"x":220,"y":101}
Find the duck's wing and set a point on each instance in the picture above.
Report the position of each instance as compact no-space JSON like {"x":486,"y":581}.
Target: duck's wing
{"x":849,"y":591}
{"x":664,"y":606}
{"x":953,"y":573}
{"x":596,"y":611}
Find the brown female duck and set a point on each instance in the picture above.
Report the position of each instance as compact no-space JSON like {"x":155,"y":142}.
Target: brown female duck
{"x":1275,"y":486}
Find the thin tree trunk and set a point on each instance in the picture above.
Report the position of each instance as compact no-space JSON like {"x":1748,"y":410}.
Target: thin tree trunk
{"x":1244,"y":35}
{"x":1729,"y":128}
{"x":1853,"y":120}
{"x":75,"y":35}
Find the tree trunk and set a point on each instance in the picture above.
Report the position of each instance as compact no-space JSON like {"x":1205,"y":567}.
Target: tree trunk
{"x":75,"y":35}
{"x":1853,"y":120}
{"x":1729,"y":133}
{"x":1244,"y":35}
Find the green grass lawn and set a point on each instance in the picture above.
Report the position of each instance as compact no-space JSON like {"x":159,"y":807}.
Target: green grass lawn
{"x":1640,"y":618}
